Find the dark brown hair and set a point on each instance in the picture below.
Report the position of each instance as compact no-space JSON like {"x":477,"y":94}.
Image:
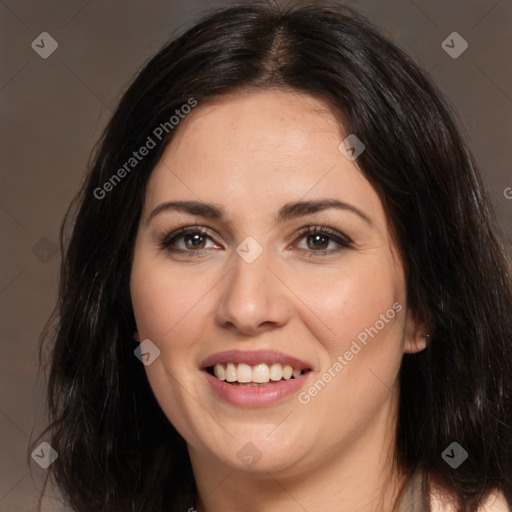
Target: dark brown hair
{"x":117,"y":450}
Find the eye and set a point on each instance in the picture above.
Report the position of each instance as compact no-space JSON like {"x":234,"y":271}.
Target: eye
{"x":319,"y":238}
{"x":194,"y":239}
{"x":188,"y":239}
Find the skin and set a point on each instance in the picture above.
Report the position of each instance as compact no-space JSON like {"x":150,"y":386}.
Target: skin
{"x":250,"y":154}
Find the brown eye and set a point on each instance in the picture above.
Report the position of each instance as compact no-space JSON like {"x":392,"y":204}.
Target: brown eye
{"x":319,"y":238}
{"x":195,"y":241}
{"x":317,"y":241}
{"x":189,"y":239}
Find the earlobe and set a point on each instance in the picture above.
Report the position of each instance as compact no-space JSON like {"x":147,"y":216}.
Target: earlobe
{"x":416,"y":336}
{"x":416,"y":344}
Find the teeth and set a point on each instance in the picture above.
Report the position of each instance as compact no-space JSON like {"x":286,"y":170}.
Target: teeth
{"x":259,"y":374}
{"x":218,"y":369}
{"x":276,"y":372}
{"x":230,"y":372}
{"x":287,"y":372}
{"x":244,"y":373}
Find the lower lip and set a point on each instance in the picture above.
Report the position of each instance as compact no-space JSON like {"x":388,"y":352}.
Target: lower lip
{"x":255,"y":396}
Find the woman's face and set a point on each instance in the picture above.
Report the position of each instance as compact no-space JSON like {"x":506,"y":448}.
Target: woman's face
{"x":250,"y":290}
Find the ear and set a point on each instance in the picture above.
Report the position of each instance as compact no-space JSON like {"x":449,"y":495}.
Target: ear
{"x":416,"y":337}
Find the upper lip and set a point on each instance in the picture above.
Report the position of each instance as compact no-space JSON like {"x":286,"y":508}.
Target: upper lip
{"x":254,"y":357}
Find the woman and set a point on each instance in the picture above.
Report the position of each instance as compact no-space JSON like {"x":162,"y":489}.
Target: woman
{"x":284,"y":217}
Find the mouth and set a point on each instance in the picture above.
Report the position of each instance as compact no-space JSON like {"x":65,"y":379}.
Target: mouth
{"x":261,"y":374}
{"x":255,"y":378}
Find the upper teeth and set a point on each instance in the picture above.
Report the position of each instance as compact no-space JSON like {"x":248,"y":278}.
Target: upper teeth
{"x":260,"y":373}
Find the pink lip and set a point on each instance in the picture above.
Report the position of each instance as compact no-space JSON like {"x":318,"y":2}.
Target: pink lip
{"x":257,"y":396}
{"x":254,"y":396}
{"x":253,"y":358}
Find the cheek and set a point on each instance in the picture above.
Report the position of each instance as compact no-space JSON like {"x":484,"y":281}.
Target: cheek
{"x":164,"y":300}
{"x":362,"y":346}
{"x":354,"y":301}
{"x":358,"y":327}
{"x":164,"y":303}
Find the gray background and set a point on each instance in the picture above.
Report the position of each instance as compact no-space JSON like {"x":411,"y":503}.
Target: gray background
{"x":54,"y":109}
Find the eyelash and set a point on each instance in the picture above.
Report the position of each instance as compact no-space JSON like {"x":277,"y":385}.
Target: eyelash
{"x":342,"y":240}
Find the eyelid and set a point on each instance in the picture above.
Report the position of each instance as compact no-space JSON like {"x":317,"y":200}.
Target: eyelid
{"x":336,"y":236}
{"x":169,"y":236}
{"x":322,"y":229}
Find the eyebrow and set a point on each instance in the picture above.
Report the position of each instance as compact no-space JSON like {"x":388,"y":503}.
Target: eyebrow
{"x":287,"y":212}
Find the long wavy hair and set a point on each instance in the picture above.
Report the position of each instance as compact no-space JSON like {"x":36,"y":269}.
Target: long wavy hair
{"x":117,"y":450}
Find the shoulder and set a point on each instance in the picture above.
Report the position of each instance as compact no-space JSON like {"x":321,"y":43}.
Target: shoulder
{"x":495,"y":503}
{"x":441,"y":501}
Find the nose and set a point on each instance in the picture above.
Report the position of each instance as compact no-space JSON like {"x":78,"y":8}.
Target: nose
{"x":254,"y":298}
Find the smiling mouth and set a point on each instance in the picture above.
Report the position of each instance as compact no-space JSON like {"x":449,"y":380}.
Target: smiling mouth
{"x":258,"y":375}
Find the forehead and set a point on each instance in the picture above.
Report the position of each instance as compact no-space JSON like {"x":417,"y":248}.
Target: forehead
{"x":281,"y":125}
{"x":268,"y":147}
